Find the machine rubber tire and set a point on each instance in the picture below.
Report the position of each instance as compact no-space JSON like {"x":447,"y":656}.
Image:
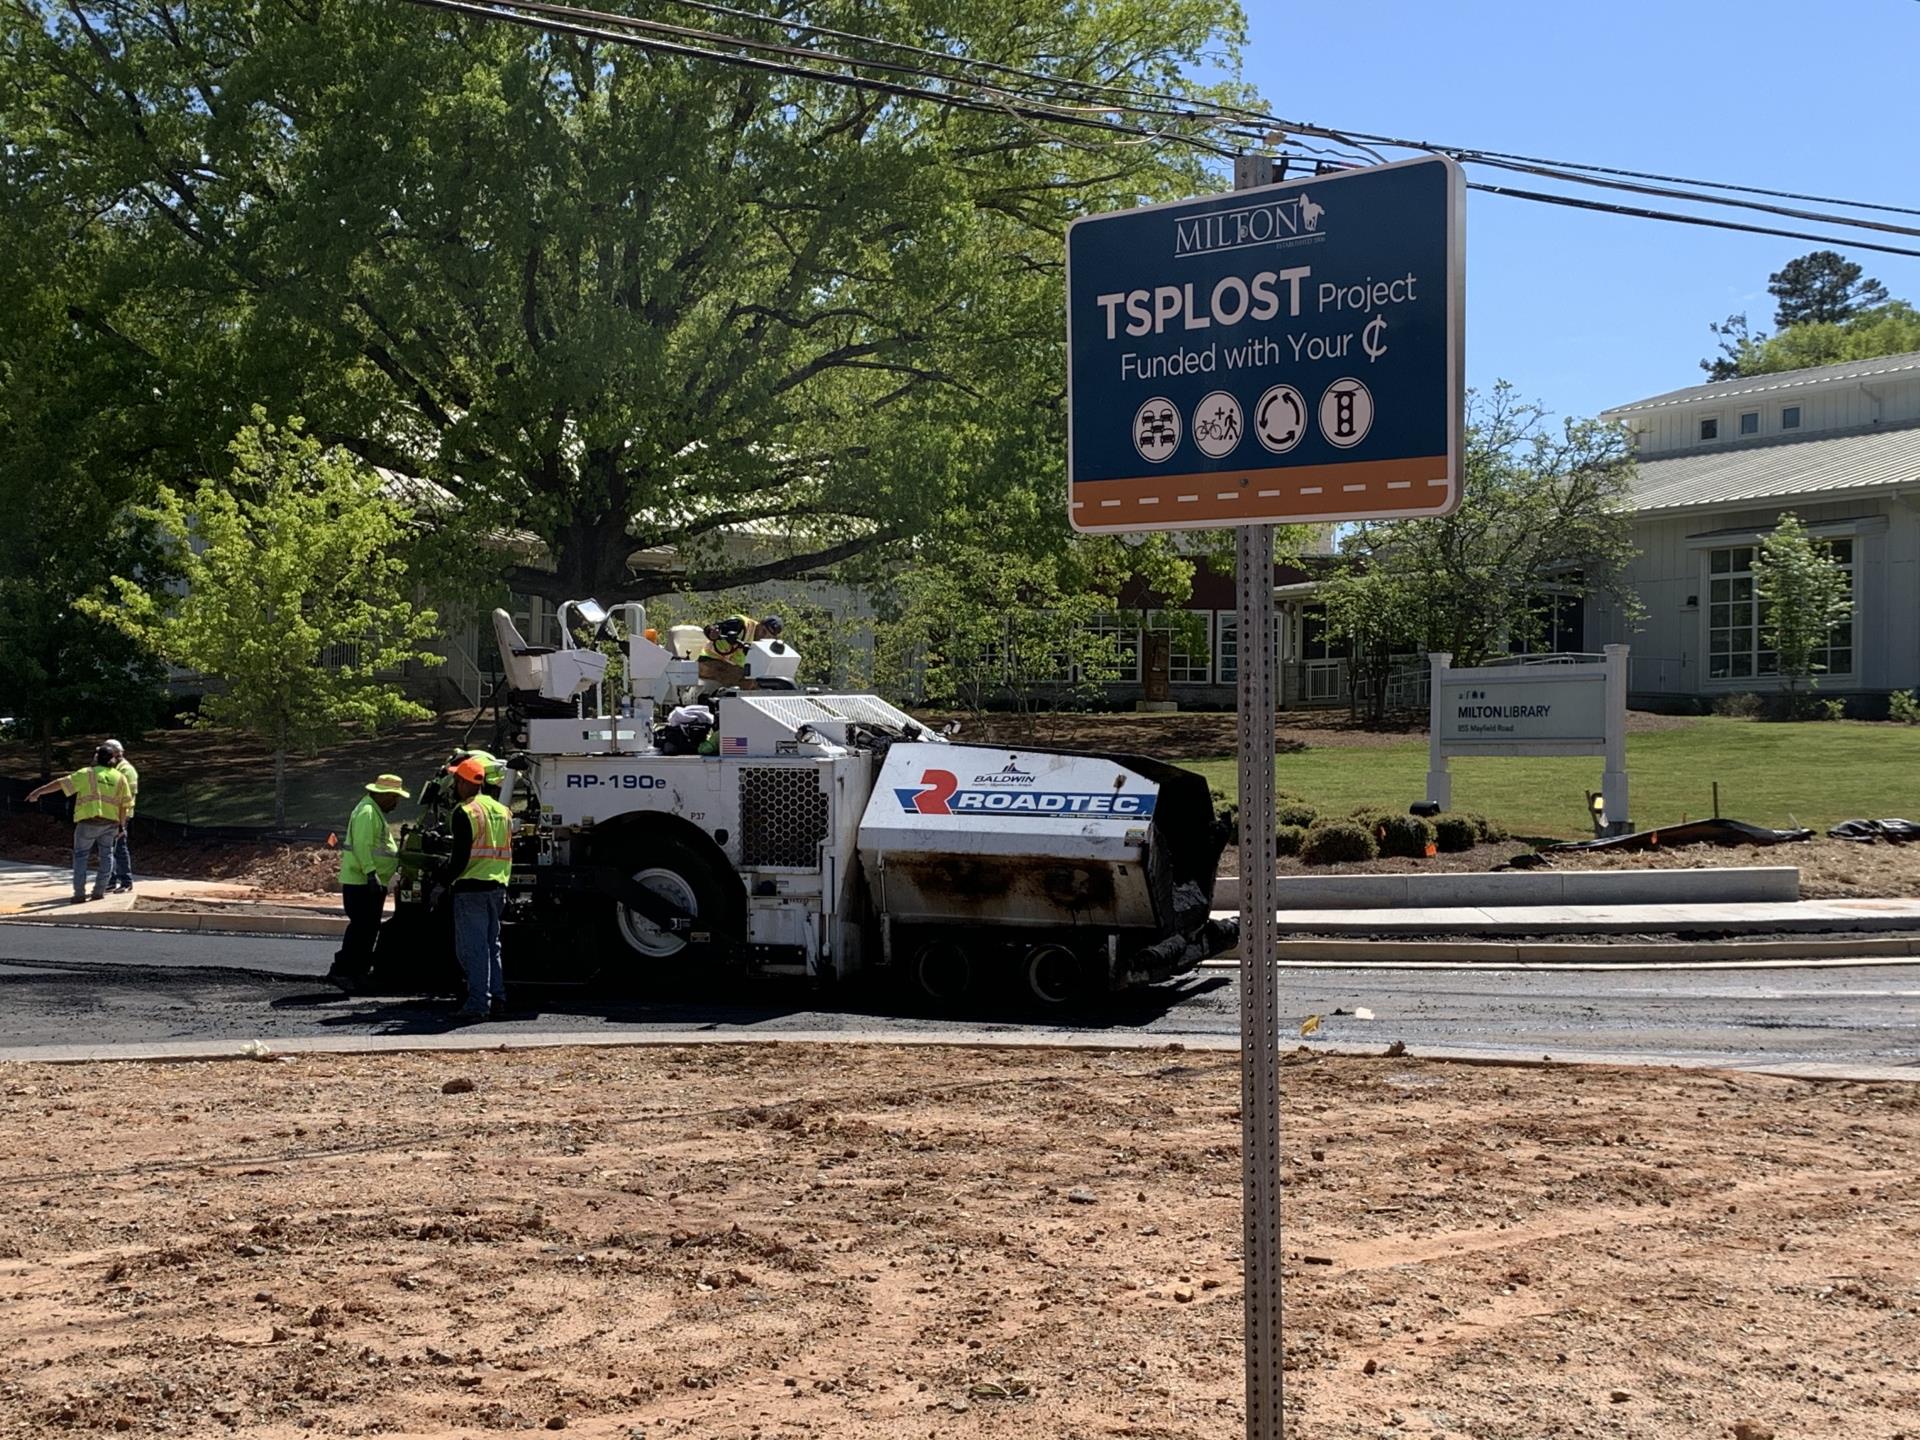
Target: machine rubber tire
{"x":941,"y":972}
{"x":1052,"y":976}
{"x":644,"y":955}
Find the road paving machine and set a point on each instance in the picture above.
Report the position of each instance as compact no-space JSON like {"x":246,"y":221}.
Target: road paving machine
{"x":762,"y":828}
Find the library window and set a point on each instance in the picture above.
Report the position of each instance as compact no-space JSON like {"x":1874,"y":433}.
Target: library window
{"x":1737,"y":619}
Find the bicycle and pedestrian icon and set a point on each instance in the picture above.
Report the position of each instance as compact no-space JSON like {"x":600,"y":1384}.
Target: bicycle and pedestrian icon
{"x":1217,"y":424}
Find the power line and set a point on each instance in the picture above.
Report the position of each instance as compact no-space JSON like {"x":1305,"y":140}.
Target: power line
{"x":1665,"y":192}
{"x":1607,"y":208}
{"x":996,"y":99}
{"x":1466,"y":153}
{"x":552,"y":22}
{"x":1350,"y":139}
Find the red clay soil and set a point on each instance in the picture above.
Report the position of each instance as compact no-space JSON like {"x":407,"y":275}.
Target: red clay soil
{"x":871,"y":1243}
{"x":37,"y":839}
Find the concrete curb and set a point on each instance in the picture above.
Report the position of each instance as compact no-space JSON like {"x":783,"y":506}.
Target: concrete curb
{"x":483,"y":1038}
{"x":1509,"y":952}
{"x":212,"y":924}
{"x":1718,"y":885}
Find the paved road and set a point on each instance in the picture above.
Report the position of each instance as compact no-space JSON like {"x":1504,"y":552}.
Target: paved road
{"x":62,"y":986}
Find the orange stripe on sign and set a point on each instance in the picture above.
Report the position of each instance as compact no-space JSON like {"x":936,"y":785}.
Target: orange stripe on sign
{"x":1357,"y":488}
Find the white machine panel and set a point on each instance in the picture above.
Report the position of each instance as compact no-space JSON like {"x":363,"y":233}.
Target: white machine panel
{"x":955,"y":833}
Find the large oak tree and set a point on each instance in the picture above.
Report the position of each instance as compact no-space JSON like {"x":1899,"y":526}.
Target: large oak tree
{"x":615,"y":299}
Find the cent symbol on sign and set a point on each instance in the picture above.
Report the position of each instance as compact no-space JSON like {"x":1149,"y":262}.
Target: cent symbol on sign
{"x":1322,"y":317}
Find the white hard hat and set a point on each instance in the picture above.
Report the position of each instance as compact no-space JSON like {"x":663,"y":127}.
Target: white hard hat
{"x":113,"y":745}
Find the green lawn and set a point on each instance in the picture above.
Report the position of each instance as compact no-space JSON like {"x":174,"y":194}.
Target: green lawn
{"x":1771,"y":774}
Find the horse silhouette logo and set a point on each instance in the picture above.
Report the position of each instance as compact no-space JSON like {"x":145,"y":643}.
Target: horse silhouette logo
{"x":1310,"y":213}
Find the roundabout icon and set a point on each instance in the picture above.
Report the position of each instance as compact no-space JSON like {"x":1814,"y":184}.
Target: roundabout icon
{"x":1280,"y":419}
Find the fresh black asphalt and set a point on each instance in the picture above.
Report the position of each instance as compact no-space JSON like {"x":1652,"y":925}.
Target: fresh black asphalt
{"x":63,"y":985}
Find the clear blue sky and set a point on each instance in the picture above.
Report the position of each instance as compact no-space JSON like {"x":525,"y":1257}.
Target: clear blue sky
{"x":1582,"y":310}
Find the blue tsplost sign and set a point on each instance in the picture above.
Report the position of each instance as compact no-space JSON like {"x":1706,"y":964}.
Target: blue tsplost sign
{"x":1284,"y":354}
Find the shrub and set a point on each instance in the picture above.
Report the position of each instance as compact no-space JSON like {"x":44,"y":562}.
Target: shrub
{"x":1297,"y":813}
{"x":1333,"y":842}
{"x":1904,"y":706}
{"x":1396,"y":833}
{"x":1453,"y":833}
{"x":1745,"y":706}
{"x":1490,"y":832}
{"x":1833,"y":709}
{"x":1288,"y":839}
{"x":1225,"y":808}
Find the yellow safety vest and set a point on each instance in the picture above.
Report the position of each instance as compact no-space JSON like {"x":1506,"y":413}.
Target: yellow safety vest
{"x":735,"y":657}
{"x":98,"y":792}
{"x":371,"y":853}
{"x":491,"y":858}
{"x":125,"y":767}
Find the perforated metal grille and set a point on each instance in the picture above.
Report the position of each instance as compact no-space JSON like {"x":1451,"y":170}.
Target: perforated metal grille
{"x":783,"y":816}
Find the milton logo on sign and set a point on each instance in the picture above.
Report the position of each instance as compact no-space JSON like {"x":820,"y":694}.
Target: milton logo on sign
{"x":1286,"y":354}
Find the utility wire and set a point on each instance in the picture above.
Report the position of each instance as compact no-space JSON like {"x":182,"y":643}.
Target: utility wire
{"x":551,"y":23}
{"x":1294,"y":130}
{"x":1607,"y":208}
{"x":996,"y":99}
{"x":1465,"y":153}
{"x":1667,"y":193}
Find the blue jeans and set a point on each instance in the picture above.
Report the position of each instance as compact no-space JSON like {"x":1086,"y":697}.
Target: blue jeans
{"x":122,"y":862}
{"x":89,"y":836}
{"x":476,"y":940}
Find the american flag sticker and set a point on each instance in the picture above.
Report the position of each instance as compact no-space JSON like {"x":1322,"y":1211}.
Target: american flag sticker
{"x":733,"y":744}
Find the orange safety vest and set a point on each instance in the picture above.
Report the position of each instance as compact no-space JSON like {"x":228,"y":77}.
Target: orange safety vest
{"x":491,"y":858}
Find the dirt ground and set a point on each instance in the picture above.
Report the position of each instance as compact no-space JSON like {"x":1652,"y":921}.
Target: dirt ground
{"x":876,"y":1242}
{"x":39,"y":839}
{"x":1207,"y":732}
{"x":1829,"y":869}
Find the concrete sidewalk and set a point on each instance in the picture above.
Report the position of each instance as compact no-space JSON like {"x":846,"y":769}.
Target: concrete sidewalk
{"x":1794,"y":917}
{"x":44,"y":895}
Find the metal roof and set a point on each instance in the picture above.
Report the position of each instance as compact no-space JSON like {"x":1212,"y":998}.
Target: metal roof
{"x":1835,"y":462}
{"x":1849,"y":370}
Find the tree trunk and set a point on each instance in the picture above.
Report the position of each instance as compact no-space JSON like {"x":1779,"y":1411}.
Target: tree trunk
{"x":280,"y":787}
{"x":46,"y":748}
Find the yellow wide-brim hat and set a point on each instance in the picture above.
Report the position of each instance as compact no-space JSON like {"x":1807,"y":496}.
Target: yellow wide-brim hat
{"x":389,"y":785}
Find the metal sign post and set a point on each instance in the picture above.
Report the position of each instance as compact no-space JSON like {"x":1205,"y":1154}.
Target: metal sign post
{"x":1259,"y":975}
{"x":1242,"y":361}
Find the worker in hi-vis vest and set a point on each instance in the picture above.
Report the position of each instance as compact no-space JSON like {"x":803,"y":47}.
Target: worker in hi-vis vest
{"x":482,"y":865}
{"x":368,"y":860}
{"x":102,"y":801}
{"x":122,"y":856}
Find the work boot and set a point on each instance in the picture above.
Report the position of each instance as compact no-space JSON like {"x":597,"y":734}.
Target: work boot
{"x":80,"y":899}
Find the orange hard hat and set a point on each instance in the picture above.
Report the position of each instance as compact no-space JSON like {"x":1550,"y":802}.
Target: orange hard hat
{"x":652,"y":634}
{"x":472,"y":770}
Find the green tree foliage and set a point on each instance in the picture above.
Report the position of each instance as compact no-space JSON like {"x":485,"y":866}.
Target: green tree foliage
{"x":296,"y":598}
{"x":1829,"y":311}
{"x":1822,"y":288}
{"x":1541,"y":507}
{"x":616,"y":299}
{"x":1890,"y":329}
{"x":70,"y":462}
{"x":1803,"y":593}
{"x":989,"y":623}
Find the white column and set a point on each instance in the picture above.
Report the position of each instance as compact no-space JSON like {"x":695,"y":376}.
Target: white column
{"x":1613,"y":780}
{"x":1439,"y":780}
